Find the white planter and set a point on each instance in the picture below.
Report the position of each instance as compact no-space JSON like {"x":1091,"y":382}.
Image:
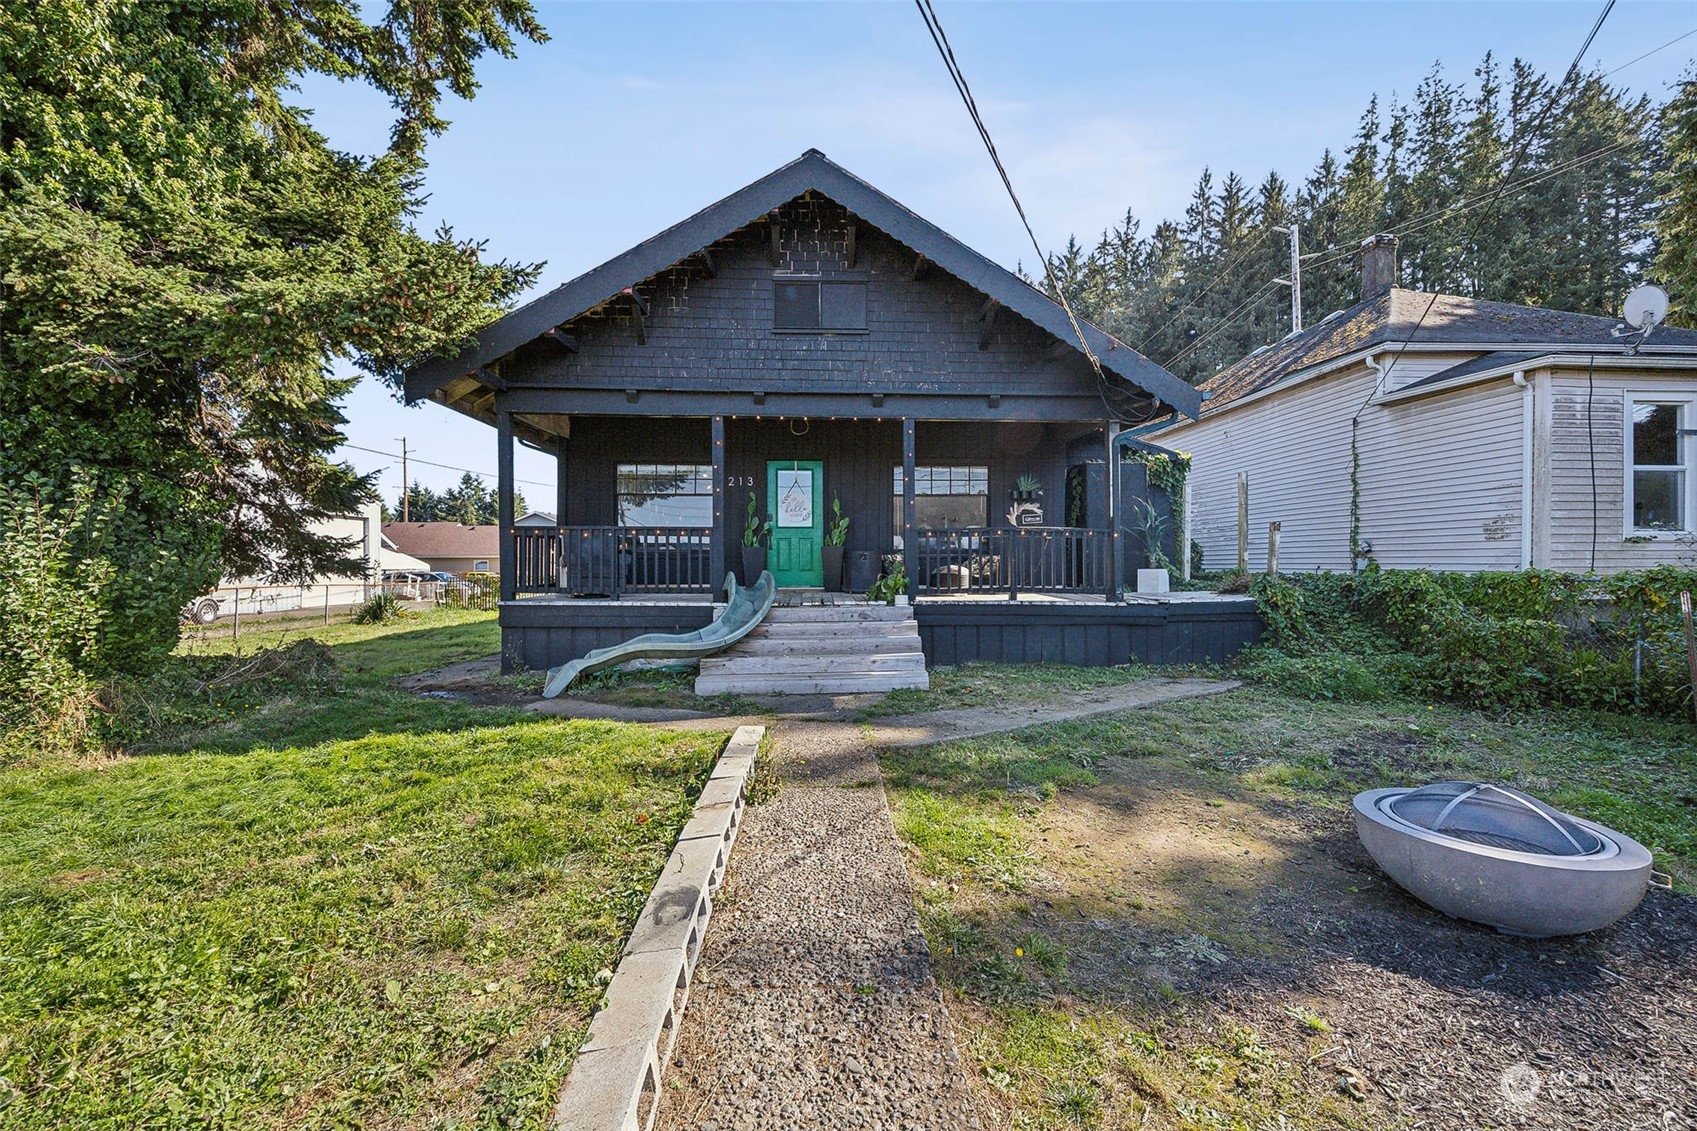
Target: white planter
{"x":901,"y":598}
{"x":1153,"y":581}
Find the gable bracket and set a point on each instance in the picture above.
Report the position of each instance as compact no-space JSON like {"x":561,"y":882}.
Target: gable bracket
{"x":559,"y":337}
{"x":490,"y":377}
{"x":707,"y":264}
{"x":777,"y":238}
{"x":640,"y":305}
{"x":921,"y":267}
{"x":848,"y":247}
{"x":987,"y":322}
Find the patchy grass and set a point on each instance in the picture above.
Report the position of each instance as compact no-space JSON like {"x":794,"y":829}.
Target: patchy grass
{"x":990,"y":685}
{"x":1149,"y":919}
{"x":663,"y":687}
{"x":326,"y":905}
{"x":431,"y":638}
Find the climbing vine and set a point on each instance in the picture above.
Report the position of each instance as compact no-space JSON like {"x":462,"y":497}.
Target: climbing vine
{"x":1167,"y":470}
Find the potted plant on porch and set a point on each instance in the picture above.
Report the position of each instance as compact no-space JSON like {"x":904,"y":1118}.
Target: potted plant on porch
{"x":831,"y":556}
{"x":755,"y":534}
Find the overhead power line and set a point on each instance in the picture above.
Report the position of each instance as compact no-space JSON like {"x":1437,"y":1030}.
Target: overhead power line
{"x":443,"y":466}
{"x":1414,"y":224}
{"x":1434,"y":216}
{"x":1514,"y":165}
{"x":946,"y":50}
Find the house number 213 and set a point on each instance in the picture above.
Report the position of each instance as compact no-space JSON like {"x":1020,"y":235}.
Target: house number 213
{"x":739,"y":481}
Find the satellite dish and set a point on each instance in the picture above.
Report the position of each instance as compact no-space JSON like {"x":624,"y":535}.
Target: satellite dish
{"x":1646,"y":306}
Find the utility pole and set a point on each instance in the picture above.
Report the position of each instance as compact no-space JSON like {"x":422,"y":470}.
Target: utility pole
{"x":1295,"y":280}
{"x":406,"y":484}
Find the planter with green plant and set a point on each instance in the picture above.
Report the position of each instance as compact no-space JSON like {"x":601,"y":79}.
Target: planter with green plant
{"x":1027,"y":496}
{"x":831,"y":556}
{"x":892,"y":585}
{"x":1153,"y":527}
{"x":756,"y":533}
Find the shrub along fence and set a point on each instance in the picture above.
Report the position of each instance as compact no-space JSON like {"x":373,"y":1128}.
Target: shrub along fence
{"x":1490,"y":639}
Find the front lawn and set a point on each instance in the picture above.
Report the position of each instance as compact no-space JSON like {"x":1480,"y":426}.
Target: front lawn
{"x":993,"y":685}
{"x":322,"y":901}
{"x":1163,"y":918}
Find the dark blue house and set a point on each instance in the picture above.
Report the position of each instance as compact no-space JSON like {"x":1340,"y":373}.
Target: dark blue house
{"x":807,"y":344}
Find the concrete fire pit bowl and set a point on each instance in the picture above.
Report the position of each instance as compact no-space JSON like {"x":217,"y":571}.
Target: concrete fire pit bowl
{"x":1494,"y":855}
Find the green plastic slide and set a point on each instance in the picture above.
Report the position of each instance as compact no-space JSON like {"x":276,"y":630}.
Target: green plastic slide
{"x":745,"y":609}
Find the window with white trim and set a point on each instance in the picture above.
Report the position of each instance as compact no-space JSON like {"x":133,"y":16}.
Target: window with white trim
{"x":1659,"y":466}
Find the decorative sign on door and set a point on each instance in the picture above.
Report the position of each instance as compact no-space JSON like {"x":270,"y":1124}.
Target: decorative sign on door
{"x":795,"y":497}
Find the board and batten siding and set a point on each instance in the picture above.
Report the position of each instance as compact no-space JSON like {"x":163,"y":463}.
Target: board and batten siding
{"x":1578,"y":424}
{"x":1424,"y":468}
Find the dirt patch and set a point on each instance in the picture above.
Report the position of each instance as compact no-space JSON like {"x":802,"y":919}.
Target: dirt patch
{"x":1188,"y":913}
{"x":478,"y":681}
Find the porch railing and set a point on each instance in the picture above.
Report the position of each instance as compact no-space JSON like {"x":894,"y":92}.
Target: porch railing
{"x":611,"y":561}
{"x":984,"y":559}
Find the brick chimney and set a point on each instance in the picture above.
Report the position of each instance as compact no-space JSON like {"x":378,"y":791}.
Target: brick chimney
{"x":1378,"y":266}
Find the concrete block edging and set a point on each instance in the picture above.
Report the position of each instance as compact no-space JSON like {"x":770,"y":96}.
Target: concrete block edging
{"x":615,"y":1083}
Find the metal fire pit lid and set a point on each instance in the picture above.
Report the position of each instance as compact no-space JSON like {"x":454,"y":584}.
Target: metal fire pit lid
{"x":1495,"y":815}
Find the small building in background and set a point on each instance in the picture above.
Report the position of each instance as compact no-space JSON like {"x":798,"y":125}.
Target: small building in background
{"x":451,"y":547}
{"x":1449,"y":433}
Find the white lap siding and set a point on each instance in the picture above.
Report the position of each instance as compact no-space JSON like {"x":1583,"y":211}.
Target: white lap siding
{"x":1441,"y":479}
{"x":1575,"y":435}
{"x":1295,"y":447}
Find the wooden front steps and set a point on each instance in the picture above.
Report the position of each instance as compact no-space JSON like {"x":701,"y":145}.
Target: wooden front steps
{"x":821,"y":650}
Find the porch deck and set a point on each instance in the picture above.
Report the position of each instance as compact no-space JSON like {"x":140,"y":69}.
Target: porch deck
{"x":543,"y":630}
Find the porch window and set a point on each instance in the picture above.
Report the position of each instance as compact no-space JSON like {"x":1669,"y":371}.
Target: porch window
{"x":946,"y":498}
{"x":1659,"y":470}
{"x":817,"y":305}
{"x":665,"y":494}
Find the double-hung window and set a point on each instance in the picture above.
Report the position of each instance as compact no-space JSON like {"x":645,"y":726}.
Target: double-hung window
{"x":1659,"y":449}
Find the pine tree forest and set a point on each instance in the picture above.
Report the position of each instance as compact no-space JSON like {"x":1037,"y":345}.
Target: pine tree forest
{"x":1572,"y":227}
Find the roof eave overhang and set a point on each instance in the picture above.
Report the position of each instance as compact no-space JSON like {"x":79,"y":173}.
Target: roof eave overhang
{"x":1683,"y":359}
{"x":1561,"y":354}
{"x":812,"y":171}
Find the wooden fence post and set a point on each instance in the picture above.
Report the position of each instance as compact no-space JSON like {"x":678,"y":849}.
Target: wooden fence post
{"x":1273,"y":549}
{"x":1690,"y":648}
{"x":1184,"y":531}
{"x":1243,"y":521}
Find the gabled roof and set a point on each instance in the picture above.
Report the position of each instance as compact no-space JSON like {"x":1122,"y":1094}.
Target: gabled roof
{"x":444,"y":539}
{"x":812,"y":170}
{"x":1465,"y":323}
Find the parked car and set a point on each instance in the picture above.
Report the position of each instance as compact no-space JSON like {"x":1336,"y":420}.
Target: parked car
{"x":444,"y":576}
{"x":201,"y":610}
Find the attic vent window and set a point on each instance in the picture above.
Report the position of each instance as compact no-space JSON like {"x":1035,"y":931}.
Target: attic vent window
{"x":818,"y":306}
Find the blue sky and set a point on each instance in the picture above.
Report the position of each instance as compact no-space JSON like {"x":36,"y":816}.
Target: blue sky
{"x":636,"y":115}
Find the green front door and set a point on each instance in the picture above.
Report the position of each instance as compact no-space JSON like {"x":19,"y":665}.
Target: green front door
{"x":795,"y":490}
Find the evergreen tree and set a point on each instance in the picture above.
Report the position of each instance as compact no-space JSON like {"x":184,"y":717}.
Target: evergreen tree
{"x":184,"y":258}
{"x":1676,"y":226}
{"x":1572,"y":230}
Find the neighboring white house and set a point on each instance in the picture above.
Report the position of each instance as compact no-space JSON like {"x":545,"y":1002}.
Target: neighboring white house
{"x":251,"y":595}
{"x":1496,"y":437}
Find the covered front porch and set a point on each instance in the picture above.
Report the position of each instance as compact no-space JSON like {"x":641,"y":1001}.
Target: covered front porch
{"x":652,"y":506}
